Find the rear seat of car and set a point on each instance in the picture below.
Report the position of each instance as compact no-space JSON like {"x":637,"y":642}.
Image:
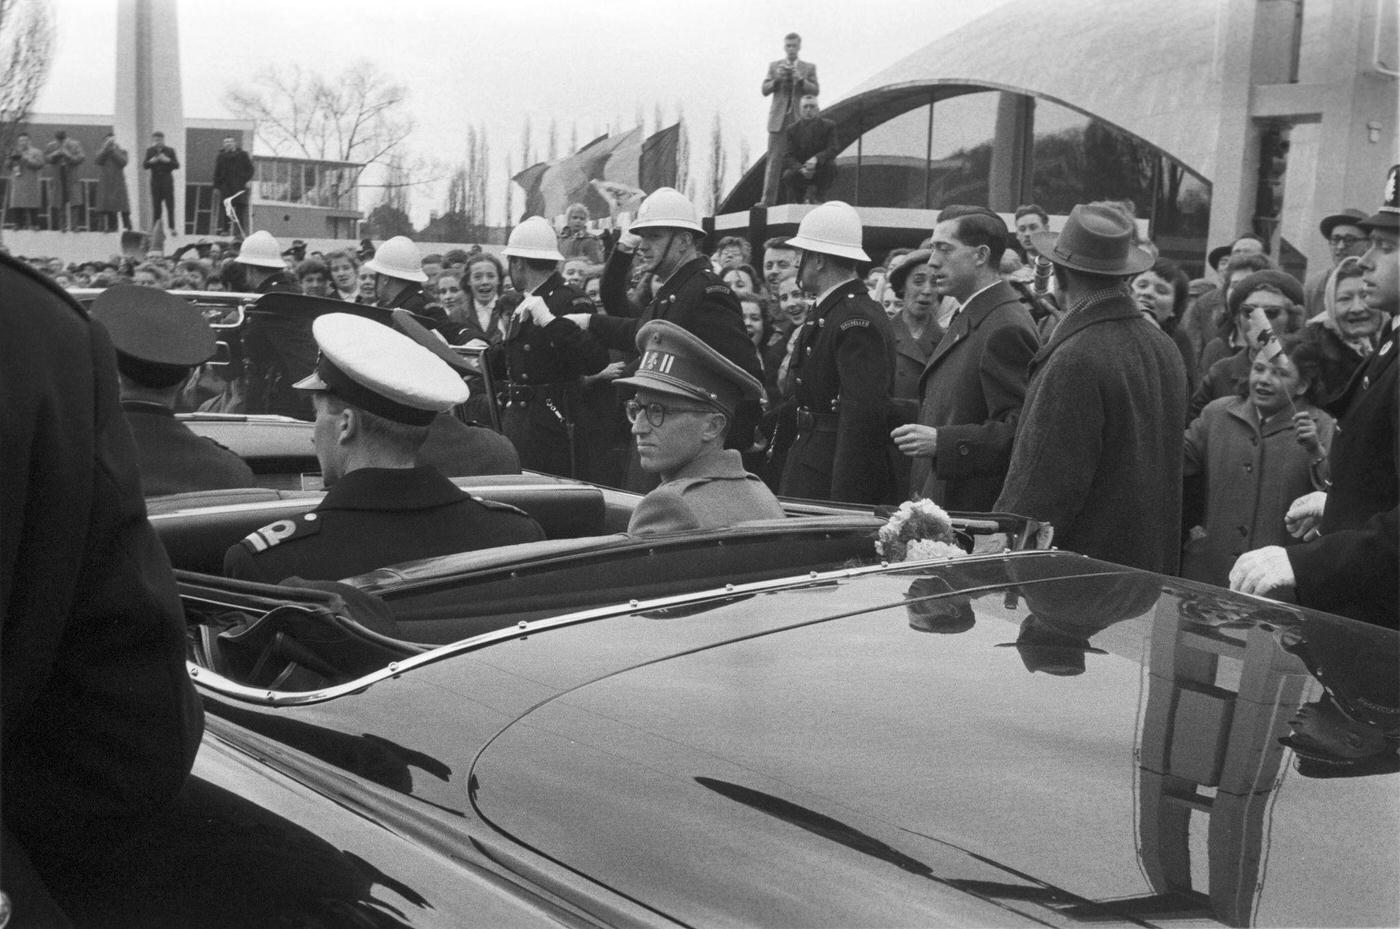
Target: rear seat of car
{"x":197,"y":528}
{"x":447,"y":599}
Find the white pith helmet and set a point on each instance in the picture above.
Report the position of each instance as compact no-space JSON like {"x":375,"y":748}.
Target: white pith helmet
{"x":667,"y":208}
{"x":262,"y":250}
{"x":831,"y":229}
{"x":398,"y":258}
{"x":534,"y":238}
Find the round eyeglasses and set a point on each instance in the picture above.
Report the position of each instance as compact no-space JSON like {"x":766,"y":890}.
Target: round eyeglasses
{"x":656,"y":412}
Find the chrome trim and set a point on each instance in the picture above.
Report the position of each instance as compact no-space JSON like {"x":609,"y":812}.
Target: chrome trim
{"x":222,"y":685}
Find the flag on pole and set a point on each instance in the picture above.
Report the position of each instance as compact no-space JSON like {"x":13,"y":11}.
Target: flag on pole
{"x":659,"y":158}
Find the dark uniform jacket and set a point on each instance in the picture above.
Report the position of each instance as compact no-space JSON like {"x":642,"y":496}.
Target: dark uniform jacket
{"x":1352,"y":568}
{"x":100,"y":722}
{"x":459,"y":449}
{"x":711,"y":492}
{"x":232,"y":172}
{"x":1098,"y":450}
{"x":843,"y":369}
{"x":174,"y":460}
{"x":278,"y":350}
{"x":695,"y":299}
{"x":971,"y":391}
{"x":161,"y":170}
{"x":808,"y":137}
{"x":538,"y":370}
{"x":375,"y":517}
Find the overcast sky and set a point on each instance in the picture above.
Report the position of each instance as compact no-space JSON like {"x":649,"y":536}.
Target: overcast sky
{"x":490,"y":63}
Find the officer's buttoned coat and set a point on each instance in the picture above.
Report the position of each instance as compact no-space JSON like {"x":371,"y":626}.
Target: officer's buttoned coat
{"x":843,"y":368}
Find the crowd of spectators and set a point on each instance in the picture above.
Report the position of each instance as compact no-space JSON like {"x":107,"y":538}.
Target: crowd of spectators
{"x":1237,"y":400}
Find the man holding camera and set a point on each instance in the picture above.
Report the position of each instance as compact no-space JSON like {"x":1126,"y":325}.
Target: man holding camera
{"x":788,"y":81}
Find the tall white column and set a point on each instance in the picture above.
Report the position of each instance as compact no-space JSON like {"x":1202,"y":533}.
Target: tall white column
{"x":148,"y":96}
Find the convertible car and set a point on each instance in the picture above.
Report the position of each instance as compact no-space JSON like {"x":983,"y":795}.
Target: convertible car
{"x":765,"y":726}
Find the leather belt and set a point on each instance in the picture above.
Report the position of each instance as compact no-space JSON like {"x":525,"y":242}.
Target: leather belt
{"x":524,"y":393}
{"x":809,"y":421}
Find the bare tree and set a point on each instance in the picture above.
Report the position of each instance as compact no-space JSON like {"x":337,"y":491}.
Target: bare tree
{"x":745,"y":158}
{"x":26,"y":50}
{"x":510,"y":190}
{"x":527,"y":154}
{"x":552,"y":152}
{"x":357,"y":116}
{"x":683,"y":180}
{"x":719,"y":161}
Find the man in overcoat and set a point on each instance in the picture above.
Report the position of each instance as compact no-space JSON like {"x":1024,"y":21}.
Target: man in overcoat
{"x":1098,"y":450}
{"x":65,"y":155}
{"x":112,"y":200}
{"x":974,"y":383}
{"x":23,"y":164}
{"x":787,"y":82}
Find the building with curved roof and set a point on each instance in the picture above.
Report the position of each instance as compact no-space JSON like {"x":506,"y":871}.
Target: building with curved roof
{"x":1174,"y":105}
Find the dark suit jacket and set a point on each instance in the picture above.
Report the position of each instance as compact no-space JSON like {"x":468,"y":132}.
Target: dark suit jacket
{"x":808,"y":137}
{"x":971,"y":391}
{"x":786,"y":93}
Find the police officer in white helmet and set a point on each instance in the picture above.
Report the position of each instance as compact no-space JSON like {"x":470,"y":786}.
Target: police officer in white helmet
{"x":843,"y":369}
{"x":665,"y":238}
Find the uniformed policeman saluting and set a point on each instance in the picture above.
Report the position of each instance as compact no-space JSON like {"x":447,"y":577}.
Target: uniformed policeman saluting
{"x":665,"y":237}
{"x":843,"y":369}
{"x":543,"y":354}
{"x":159,"y":340}
{"x":686,"y":396}
{"x":376,"y":392}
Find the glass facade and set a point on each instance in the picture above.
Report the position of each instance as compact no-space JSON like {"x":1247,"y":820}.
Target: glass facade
{"x":963,"y":147}
{"x":307,"y":183}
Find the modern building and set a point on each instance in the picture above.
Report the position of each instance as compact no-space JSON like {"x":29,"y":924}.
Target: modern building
{"x":1214,"y":117}
{"x":292,"y":197}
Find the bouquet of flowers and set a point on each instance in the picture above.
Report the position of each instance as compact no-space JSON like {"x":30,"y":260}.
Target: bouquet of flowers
{"x":919,"y":529}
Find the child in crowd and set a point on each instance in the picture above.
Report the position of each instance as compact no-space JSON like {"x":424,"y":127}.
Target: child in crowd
{"x":1259,"y":451}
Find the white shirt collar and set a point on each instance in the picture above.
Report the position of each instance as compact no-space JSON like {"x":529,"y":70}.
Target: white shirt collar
{"x":962,"y":306}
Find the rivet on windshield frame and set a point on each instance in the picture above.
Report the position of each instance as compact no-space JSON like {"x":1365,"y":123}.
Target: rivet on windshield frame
{"x":728,"y":586}
{"x":632,"y":603}
{"x":813,"y":574}
{"x":393,"y":667}
{"x":271,"y":695}
{"x":522,"y":625}
{"x":194,"y":672}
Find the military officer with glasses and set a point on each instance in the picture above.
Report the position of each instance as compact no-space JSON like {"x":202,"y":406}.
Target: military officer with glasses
{"x":687,"y":394}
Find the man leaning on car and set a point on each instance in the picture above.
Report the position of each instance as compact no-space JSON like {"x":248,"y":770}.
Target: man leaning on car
{"x":376,"y":392}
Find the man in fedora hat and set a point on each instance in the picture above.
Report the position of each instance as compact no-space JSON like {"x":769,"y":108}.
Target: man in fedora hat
{"x":1345,"y":238}
{"x":686,"y":397}
{"x":1097,"y":452}
{"x":1349,"y":562}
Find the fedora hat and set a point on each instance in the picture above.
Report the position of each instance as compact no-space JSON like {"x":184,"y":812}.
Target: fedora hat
{"x":1096,"y":239}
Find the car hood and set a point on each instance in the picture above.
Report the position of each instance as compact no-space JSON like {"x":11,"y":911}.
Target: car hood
{"x":1039,"y":750}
